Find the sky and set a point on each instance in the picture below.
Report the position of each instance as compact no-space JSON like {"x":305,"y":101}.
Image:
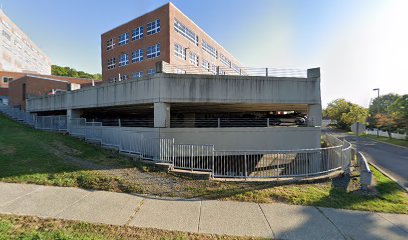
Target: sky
{"x":358,"y":44}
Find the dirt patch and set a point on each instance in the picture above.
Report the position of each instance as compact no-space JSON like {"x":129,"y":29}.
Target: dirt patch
{"x":7,"y":150}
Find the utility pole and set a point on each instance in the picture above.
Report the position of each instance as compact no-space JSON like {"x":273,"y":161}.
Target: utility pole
{"x":378,"y":106}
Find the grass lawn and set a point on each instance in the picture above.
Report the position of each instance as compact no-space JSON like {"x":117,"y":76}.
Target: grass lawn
{"x":31,"y":156}
{"x":24,"y":227}
{"x":403,"y":143}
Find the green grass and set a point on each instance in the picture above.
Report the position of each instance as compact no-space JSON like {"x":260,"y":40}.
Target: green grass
{"x":403,"y":143}
{"x":22,"y":228}
{"x":31,"y":156}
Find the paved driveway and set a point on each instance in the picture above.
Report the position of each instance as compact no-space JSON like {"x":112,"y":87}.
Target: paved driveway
{"x":392,"y":159}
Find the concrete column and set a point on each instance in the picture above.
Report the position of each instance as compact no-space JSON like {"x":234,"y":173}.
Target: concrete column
{"x":314,"y":114}
{"x":161,"y":115}
{"x":72,"y":113}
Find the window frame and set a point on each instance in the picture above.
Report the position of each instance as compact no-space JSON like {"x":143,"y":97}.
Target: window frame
{"x":139,"y":57}
{"x":154,"y":51}
{"x":123,"y":62}
{"x":153,"y":27}
{"x":125,"y":39}
{"x":139,"y":35}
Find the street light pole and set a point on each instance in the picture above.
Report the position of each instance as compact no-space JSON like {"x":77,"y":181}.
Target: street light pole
{"x":378,"y":107}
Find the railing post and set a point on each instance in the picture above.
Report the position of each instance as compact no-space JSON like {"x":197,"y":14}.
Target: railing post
{"x":219,"y":122}
{"x":213,"y":159}
{"x":240,"y":72}
{"x":267,"y":122}
{"x":119,"y":123}
{"x":266,"y":71}
{"x":245,"y":165}
{"x":191,"y":158}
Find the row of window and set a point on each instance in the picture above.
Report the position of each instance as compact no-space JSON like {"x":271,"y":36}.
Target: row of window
{"x":137,"y":56}
{"x":137,"y":33}
{"x":134,"y":75}
{"x":210,"y":49}
{"x":185,"y":32}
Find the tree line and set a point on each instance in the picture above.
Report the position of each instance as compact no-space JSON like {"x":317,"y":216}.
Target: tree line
{"x":388,"y":113}
{"x":71,"y":72}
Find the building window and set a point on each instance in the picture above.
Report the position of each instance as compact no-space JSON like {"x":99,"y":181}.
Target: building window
{"x":194,"y":59}
{"x":111,"y":63}
{"x":123,"y":39}
{"x":7,"y":79}
{"x":153,"y":51}
{"x":225,"y":60}
{"x":210,"y":49}
{"x":138,"y":74}
{"x":137,"y":56}
{"x":213,"y":69}
{"x":179,"y":71}
{"x":151,"y":71}
{"x":137,"y":33}
{"x":179,"y":51}
{"x":123,"y":77}
{"x":206,"y":65}
{"x":111,"y":80}
{"x":153,"y":27}
{"x":110,"y":43}
{"x":185,"y":32}
{"x":123,"y":59}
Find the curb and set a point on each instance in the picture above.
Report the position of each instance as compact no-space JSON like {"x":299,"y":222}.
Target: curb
{"x":389,"y":176}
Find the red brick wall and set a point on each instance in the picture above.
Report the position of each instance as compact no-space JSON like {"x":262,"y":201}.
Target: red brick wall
{"x":148,"y":40}
{"x":34,"y":87}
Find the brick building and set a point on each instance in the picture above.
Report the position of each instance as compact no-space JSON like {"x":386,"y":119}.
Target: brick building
{"x":28,"y":86}
{"x":17,"y":52}
{"x":131,"y":50}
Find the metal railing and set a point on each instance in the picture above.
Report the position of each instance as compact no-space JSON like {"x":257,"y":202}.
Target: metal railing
{"x":237,"y":71}
{"x":17,"y":114}
{"x":301,"y":163}
{"x":54,"y":123}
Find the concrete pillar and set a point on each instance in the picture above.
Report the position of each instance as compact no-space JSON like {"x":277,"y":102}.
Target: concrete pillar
{"x":72,"y":113}
{"x":161,"y":115}
{"x":314,"y":113}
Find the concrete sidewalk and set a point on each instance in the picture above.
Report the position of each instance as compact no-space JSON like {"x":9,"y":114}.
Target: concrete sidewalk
{"x":276,"y":220}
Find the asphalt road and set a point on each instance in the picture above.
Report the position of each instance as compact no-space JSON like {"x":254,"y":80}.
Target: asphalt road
{"x":391,"y":159}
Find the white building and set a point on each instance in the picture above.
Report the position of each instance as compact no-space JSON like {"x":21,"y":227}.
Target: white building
{"x":17,"y":52}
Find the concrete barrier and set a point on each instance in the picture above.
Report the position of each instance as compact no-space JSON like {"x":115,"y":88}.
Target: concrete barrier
{"x":366,"y":176}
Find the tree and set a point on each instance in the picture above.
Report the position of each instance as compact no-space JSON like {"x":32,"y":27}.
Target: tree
{"x":356,"y":114}
{"x":345,"y":113}
{"x":390,"y":113}
{"x":71,"y":72}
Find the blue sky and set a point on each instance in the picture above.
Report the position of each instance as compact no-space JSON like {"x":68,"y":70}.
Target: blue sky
{"x":359,"y":44}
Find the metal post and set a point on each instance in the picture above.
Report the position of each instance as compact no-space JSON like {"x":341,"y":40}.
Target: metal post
{"x":218,"y":70}
{"x":267,"y":122}
{"x":213,"y":159}
{"x":191,"y":159}
{"x":245,"y":166}
{"x":219,"y":122}
{"x":119,"y":123}
{"x":266,"y":71}
{"x":240,"y":71}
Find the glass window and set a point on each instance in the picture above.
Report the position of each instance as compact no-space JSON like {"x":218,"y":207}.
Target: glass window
{"x":123,"y":59}
{"x":123,"y":77}
{"x":225,"y":60}
{"x":185,"y":32}
{"x":153,"y":51}
{"x":138,"y":74}
{"x":179,"y":51}
{"x":153,"y":27}
{"x":194,"y":59}
{"x":137,"y":33}
{"x":151,"y":71}
{"x":210,"y":49}
{"x":123,"y":39}
{"x":109,"y":44}
{"x":137,"y":56}
{"x":205,"y":64}
{"x":111,"y":63}
{"x":7,"y":79}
